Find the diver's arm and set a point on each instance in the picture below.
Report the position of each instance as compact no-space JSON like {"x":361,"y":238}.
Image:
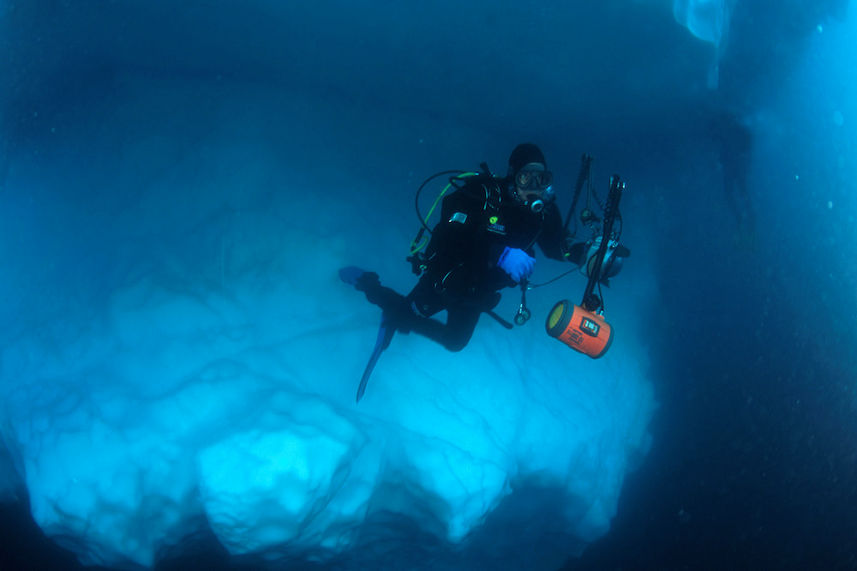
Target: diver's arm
{"x":552,"y":240}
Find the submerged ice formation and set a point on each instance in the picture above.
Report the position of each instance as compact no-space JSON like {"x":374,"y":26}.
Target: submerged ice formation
{"x":182,"y":357}
{"x":707,"y":20}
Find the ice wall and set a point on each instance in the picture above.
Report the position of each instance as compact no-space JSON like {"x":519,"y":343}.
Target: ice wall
{"x":708,"y":20}
{"x":178,"y":352}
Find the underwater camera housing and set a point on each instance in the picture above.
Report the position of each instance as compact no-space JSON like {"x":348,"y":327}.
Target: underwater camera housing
{"x":612,"y":263}
{"x":582,"y":327}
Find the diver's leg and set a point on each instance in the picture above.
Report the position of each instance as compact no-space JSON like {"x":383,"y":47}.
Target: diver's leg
{"x":406,"y":314}
{"x":424,"y":301}
{"x":367,"y":282}
{"x":452,"y":335}
{"x":460,"y":324}
{"x":461,"y":320}
{"x":412,"y":312}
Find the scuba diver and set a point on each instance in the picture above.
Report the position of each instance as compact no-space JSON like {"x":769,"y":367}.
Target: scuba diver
{"x":485,"y":242}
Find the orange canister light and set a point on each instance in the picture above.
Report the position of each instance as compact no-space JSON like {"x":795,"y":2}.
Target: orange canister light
{"x":580,"y":329}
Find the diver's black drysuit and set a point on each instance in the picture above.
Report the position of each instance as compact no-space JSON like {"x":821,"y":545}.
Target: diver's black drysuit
{"x":478,"y":221}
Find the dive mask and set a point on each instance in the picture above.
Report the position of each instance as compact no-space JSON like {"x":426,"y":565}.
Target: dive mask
{"x":533,"y":176}
{"x":534,"y":182}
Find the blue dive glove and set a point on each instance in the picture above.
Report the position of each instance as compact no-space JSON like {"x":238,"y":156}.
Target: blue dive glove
{"x":517,"y":263}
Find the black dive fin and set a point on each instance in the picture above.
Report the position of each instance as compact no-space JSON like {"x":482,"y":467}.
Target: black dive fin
{"x":385,"y":335}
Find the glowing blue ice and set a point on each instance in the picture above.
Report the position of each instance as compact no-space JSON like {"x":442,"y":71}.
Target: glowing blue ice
{"x":708,"y":20}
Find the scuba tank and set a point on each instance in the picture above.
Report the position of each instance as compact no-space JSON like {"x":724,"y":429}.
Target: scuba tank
{"x":416,"y":256}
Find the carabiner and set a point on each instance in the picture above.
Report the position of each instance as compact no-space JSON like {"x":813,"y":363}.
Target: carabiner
{"x":523,"y":314}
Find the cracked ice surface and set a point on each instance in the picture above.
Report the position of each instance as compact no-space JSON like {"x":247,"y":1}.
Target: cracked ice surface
{"x":179,"y":353}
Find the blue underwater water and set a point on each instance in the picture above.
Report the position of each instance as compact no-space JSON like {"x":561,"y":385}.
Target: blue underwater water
{"x":180,"y":181}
